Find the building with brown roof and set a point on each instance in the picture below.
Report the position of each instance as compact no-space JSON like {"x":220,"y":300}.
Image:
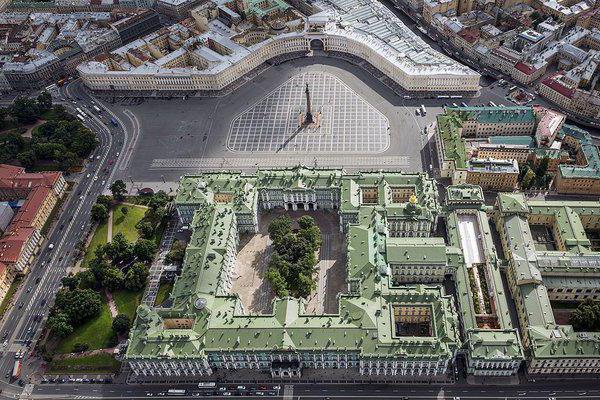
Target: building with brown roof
{"x":40,"y":192}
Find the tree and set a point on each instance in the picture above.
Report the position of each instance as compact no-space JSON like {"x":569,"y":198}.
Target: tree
{"x":118,"y":190}
{"x":177,"y":253}
{"x":124,"y":210}
{"x":25,"y":110}
{"x":528,"y":179}
{"x":144,"y":250}
{"x":136,"y":277}
{"x":280,"y":227}
{"x":121,"y":324}
{"x":44,"y":101}
{"x":60,"y":325}
{"x":277,"y":282}
{"x":113,"y":279}
{"x":158,"y":200}
{"x":306,"y":221}
{"x":71,"y":282}
{"x":542,"y":167}
{"x":87,"y":279}
{"x":98,"y":264}
{"x":26,"y":158}
{"x":99,"y":213}
{"x":586,"y":317}
{"x":146,"y":229}
{"x":119,"y":250}
{"x":80,"y":305}
{"x":105,"y":200}
{"x":312,"y":235}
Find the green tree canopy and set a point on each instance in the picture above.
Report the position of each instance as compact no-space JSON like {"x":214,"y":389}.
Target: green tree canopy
{"x":118,"y":190}
{"x":144,"y":250}
{"x":105,"y":200}
{"x":113,"y":279}
{"x":136,"y":277}
{"x":25,"y":110}
{"x":44,"y":101}
{"x":60,"y":324}
{"x":80,"y":305}
{"x":99,"y":213}
{"x":121,"y":324}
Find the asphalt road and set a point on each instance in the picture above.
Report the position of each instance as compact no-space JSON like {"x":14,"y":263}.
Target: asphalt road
{"x":564,"y":390}
{"x":24,"y":321}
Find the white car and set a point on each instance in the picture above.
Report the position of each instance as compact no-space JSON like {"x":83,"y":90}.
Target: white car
{"x":88,"y":175}
{"x":95,"y":178}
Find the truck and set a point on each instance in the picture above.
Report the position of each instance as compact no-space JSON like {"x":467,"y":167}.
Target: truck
{"x":114,"y":121}
{"x":16,"y":370}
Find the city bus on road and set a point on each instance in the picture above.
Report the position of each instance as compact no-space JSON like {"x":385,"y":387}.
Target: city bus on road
{"x":204,"y":385}
{"x":98,"y":111}
{"x":176,"y":392}
{"x":16,"y":372}
{"x":81,"y":117}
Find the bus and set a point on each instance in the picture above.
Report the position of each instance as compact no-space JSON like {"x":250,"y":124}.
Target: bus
{"x":456,"y":97}
{"x":61,"y":81}
{"x":202,"y":385}
{"x":423,"y":110}
{"x":493,"y":104}
{"x":443,"y":97}
{"x":79,"y":110}
{"x":114,"y":121}
{"x":98,"y":111}
{"x":51,"y":87}
{"x":16,"y":372}
{"x":81,"y":117}
{"x":176,"y":392}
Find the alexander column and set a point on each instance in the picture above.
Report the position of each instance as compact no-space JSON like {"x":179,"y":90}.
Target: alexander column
{"x":308,"y":119}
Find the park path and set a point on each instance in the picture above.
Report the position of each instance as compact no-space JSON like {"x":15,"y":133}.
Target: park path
{"x":111,"y":304}
{"x":109,"y":226}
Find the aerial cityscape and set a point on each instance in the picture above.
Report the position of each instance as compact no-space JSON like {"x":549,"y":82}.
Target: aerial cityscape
{"x":294,"y":199}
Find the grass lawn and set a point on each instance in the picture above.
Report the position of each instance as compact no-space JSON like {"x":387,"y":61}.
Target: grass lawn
{"x":99,"y":238}
{"x":97,"y":363}
{"x":164,"y":290}
{"x":126,"y":223}
{"x":9,"y":294}
{"x":97,"y":333}
{"x":127,"y":302}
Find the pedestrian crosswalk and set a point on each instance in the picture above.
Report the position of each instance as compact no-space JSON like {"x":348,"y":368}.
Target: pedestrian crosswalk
{"x":218,"y":163}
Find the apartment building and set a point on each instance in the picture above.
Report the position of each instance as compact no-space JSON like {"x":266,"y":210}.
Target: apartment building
{"x":514,"y":135}
{"x":40,"y":193}
{"x":493,"y":174}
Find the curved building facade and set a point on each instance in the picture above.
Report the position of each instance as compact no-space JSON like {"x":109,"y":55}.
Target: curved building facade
{"x":209,"y":56}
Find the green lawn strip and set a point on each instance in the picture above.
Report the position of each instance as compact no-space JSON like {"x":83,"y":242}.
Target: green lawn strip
{"x":127,"y":302}
{"x":164,"y":290}
{"x":9,"y":294}
{"x":126,"y":223}
{"x":99,"y":238}
{"x":95,"y":363}
{"x":96,"y":333}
